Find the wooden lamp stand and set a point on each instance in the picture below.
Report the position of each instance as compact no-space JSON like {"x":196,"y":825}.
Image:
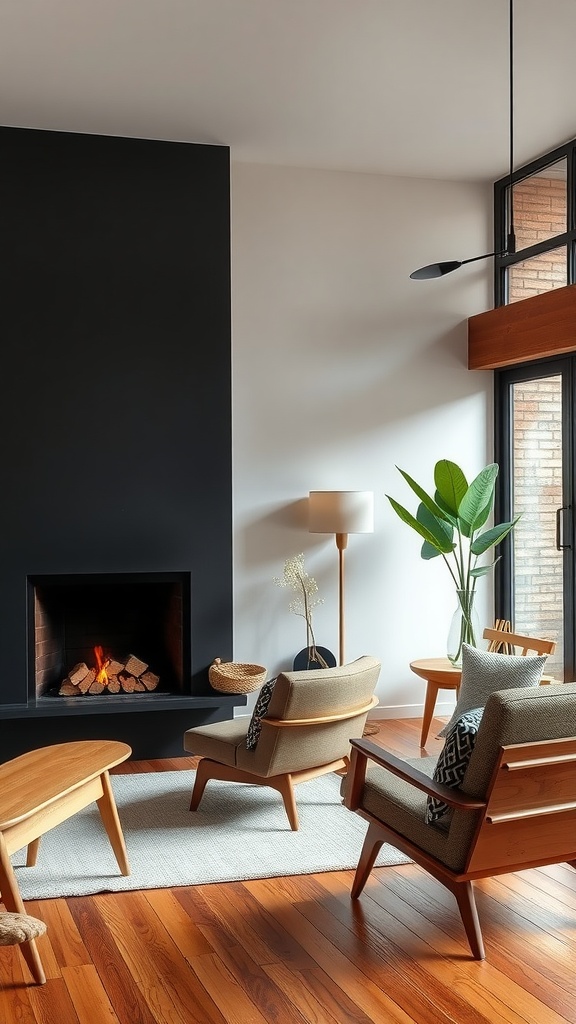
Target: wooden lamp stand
{"x":341,"y":513}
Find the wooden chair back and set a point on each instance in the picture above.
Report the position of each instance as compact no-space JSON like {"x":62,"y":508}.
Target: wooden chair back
{"x":500,"y":638}
{"x":530,"y":817}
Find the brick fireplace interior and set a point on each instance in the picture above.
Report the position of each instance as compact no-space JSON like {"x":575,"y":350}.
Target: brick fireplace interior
{"x":76,"y":621}
{"x":116,"y":519}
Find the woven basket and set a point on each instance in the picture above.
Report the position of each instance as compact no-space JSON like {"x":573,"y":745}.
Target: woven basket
{"x":235,"y":677}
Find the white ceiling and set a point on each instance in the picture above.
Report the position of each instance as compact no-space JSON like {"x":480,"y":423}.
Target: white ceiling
{"x":403,"y":87}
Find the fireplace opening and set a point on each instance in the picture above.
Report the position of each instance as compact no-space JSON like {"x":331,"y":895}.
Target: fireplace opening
{"x":109,"y":634}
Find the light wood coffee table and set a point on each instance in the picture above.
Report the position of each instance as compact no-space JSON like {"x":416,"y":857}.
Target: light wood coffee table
{"x":39,"y":790}
{"x":440,"y":674}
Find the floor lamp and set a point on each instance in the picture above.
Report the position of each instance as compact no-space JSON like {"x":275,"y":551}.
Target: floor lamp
{"x":341,"y":513}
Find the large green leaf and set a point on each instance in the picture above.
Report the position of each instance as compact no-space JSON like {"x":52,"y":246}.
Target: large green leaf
{"x":439,"y":528}
{"x":427,"y":552}
{"x":409,"y":519}
{"x":475,"y":506}
{"x":425,"y":498}
{"x":483,"y":570}
{"x":482,"y":517}
{"x":451,"y":484}
{"x":492,"y":537}
{"x":447,"y":513}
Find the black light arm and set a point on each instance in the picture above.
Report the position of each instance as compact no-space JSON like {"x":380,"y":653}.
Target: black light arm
{"x":441,"y":269}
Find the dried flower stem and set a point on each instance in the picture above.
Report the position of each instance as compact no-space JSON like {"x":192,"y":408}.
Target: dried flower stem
{"x":296,"y":577}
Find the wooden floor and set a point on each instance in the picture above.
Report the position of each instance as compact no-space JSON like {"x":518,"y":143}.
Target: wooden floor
{"x":295,"y":950}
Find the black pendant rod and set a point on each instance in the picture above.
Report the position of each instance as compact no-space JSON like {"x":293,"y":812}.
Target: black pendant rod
{"x":441,"y":269}
{"x":511,"y":241}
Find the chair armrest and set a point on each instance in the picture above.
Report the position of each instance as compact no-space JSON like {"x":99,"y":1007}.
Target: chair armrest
{"x":364,"y":750}
{"x":342,"y":716}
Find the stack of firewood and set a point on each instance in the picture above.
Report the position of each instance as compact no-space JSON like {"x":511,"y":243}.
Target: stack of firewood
{"x":131,"y":676}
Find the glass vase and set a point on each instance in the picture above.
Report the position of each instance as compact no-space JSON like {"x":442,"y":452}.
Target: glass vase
{"x":465,"y":626}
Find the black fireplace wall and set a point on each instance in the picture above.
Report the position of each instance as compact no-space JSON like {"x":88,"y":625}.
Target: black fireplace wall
{"x":115,"y":406}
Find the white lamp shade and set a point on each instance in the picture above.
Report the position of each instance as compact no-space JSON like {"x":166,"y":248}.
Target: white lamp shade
{"x":341,"y":512}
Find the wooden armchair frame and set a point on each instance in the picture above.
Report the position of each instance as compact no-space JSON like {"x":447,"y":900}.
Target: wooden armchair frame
{"x":284,"y":784}
{"x":530,"y":808}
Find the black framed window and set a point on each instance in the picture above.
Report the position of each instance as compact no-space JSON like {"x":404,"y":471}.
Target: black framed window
{"x":535,"y":447}
{"x":543,"y":204}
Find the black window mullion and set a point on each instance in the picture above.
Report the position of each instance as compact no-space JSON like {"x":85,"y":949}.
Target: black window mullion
{"x":567,"y":238}
{"x":571,"y":196}
{"x":503,"y":573}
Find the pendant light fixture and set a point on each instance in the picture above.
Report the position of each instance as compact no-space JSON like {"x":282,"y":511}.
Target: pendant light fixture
{"x":441,"y":269}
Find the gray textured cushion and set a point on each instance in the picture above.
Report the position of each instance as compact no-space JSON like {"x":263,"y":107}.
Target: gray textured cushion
{"x":219,"y":741}
{"x":484,"y":672}
{"x":453,"y":762}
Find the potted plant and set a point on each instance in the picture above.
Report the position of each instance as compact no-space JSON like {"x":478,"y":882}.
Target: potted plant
{"x":451,"y":525}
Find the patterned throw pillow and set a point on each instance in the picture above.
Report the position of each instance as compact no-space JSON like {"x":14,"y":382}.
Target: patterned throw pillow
{"x":453,"y":761}
{"x":260,"y":709}
{"x":483,"y":672}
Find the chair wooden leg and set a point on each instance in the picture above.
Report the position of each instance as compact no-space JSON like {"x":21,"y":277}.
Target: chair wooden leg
{"x":32,"y":853}
{"x":203,"y":774}
{"x":111,"y":821}
{"x":283,"y":783}
{"x":14,"y":905}
{"x":370,"y":850}
{"x":344,"y":771}
{"x":208,"y":769}
{"x":429,"y":705}
{"x":464,"y":893}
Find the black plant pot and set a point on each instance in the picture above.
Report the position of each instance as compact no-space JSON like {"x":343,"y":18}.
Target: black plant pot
{"x":304,"y":660}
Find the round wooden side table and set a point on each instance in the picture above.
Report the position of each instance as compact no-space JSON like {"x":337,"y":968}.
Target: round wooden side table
{"x":440,"y":674}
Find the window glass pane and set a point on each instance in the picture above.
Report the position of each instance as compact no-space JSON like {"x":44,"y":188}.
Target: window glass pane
{"x":540,"y":274}
{"x":540,"y":206}
{"x":537,"y":493}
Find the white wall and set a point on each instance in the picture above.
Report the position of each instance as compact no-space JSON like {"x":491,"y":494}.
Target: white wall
{"x":343,"y":368}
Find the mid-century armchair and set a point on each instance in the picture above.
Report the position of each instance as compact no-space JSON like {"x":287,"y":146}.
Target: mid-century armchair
{"x":305,"y":732}
{"x":515,"y":807}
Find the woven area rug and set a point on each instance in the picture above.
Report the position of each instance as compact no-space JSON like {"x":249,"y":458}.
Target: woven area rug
{"x":238,"y":832}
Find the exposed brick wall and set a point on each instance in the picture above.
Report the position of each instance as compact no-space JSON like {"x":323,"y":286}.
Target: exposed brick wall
{"x":537,"y":487}
{"x":539,"y":213}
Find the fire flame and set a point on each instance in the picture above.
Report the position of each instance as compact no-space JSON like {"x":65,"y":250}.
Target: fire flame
{"x":101,"y":662}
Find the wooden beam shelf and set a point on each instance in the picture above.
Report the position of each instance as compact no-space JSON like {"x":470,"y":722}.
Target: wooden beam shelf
{"x":535,"y":328}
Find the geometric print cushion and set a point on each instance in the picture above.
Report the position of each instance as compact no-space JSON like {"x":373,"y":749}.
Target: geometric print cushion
{"x":260,"y":709}
{"x":483,"y":672}
{"x":453,"y":761}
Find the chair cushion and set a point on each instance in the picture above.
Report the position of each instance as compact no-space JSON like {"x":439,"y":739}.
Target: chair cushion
{"x":16,"y":928}
{"x":484,"y":672}
{"x":219,"y":741}
{"x":453,"y":762}
{"x":260,"y":709}
{"x":403,"y":807}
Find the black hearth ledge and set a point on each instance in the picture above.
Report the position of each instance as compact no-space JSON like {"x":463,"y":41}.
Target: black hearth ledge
{"x":65,"y":707}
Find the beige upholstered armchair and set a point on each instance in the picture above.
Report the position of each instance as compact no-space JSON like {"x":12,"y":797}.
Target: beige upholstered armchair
{"x":515,"y":807}
{"x":305,"y":732}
